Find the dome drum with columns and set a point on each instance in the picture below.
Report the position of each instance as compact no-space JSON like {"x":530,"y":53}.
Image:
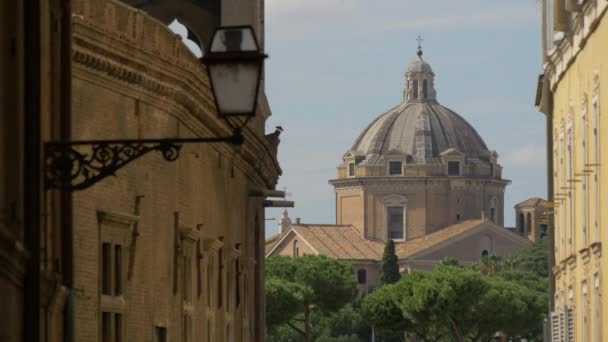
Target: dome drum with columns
{"x":425,"y":154}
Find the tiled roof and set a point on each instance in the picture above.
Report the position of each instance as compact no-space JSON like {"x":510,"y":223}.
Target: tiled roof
{"x":346,"y":242}
{"x":531,"y":202}
{"x":340,"y":242}
{"x":409,"y":248}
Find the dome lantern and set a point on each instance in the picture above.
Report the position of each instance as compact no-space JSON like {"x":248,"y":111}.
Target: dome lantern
{"x":419,"y":80}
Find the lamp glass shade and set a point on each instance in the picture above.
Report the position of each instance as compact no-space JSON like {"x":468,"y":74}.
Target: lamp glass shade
{"x":234,"y":39}
{"x":236,"y":87}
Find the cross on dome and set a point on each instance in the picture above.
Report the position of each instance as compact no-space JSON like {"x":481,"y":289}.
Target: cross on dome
{"x":420,"y":40}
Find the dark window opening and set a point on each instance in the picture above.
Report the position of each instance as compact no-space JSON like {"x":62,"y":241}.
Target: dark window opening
{"x":529,"y":223}
{"x":493,"y":215}
{"x":395,"y":168}
{"x":351,"y":169}
{"x":485,"y":253}
{"x":453,"y":168}
{"x":220,"y":278}
{"x":425,"y":93}
{"x":106,"y":327}
{"x":117,"y":270}
{"x":106,"y":269}
{"x":395,"y":223}
{"x":522,"y":223}
{"x":457,"y":217}
{"x":161,"y":334}
{"x":362,"y":276}
{"x":415,"y":89}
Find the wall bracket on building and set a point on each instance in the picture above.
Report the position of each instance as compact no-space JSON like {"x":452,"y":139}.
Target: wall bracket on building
{"x":77,"y":165}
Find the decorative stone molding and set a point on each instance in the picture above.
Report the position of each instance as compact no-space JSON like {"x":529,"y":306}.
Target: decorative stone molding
{"x":571,"y":261}
{"x":212,"y":245}
{"x":112,"y":217}
{"x":188,"y":234}
{"x":596,"y":248}
{"x":585,"y":253}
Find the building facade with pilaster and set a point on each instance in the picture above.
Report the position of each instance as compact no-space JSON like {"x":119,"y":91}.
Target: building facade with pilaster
{"x":572,"y":93}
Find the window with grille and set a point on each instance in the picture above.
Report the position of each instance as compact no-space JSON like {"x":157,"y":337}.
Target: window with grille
{"x":570,"y":324}
{"x":557,"y":327}
{"x":395,"y":168}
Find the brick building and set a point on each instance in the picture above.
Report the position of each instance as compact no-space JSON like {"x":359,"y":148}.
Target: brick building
{"x":163,"y":251}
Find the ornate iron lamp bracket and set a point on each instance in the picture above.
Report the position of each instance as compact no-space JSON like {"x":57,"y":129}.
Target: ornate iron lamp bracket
{"x":77,"y":165}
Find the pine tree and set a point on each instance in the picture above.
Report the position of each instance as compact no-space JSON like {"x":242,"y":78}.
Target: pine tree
{"x":389,"y":272}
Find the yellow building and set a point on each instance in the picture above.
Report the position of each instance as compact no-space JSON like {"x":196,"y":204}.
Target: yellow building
{"x":571,"y":93}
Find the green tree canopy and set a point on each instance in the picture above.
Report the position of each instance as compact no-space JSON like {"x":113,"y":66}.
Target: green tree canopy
{"x":306,"y":284}
{"x":389,"y":272}
{"x":456,"y":304}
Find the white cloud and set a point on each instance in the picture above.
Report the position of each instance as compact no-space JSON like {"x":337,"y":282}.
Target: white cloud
{"x":527,"y":155}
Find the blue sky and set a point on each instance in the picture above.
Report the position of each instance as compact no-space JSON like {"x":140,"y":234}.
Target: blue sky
{"x":336,"y":64}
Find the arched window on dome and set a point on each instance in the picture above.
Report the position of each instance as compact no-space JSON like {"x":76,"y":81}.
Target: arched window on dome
{"x":425,"y":92}
{"x":415,"y":89}
{"x":522,"y":224}
{"x":529,"y":223}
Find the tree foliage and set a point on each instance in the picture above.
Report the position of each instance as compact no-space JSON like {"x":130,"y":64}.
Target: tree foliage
{"x":457,"y":304}
{"x":534,"y":259}
{"x":297,"y":288}
{"x":389,"y":272}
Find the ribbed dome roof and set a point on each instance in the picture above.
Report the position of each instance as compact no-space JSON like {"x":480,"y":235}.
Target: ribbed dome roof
{"x":422,"y":130}
{"x":419,"y":65}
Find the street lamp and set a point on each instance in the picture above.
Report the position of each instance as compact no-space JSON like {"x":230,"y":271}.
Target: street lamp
{"x":234,"y":65}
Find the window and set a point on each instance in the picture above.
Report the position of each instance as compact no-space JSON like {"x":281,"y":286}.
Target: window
{"x":351,"y":169}
{"x":425,"y":93}
{"x":187,"y":329}
{"x":597,"y":309}
{"x":106,"y":268}
{"x":596,"y":143}
{"x":210,"y":273}
{"x":570,"y":195}
{"x":161,"y":334}
{"x":453,"y":168}
{"x":296,"y":249}
{"x":237,"y":281}
{"x":362,"y":276}
{"x":528,"y":223}
{"x":187,"y":278}
{"x":395,"y":168}
{"x":585,"y":308}
{"x":457,"y":217}
{"x":485,"y":253}
{"x":522,"y":223}
{"x":220,"y":277}
{"x":395,"y":223}
{"x":584,"y":123}
{"x":114,"y":236}
{"x":415,"y":89}
{"x":493,"y":215}
{"x":111,"y":327}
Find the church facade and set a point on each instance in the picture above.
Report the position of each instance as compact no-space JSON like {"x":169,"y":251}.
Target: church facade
{"x":420,"y":175}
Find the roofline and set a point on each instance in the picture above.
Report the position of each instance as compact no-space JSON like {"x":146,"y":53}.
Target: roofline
{"x":500,"y":230}
{"x":361,"y":180}
{"x":284,"y":237}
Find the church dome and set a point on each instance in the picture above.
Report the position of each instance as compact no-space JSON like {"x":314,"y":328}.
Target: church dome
{"x":419,"y":128}
{"x":419,"y":65}
{"x":423,"y":130}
